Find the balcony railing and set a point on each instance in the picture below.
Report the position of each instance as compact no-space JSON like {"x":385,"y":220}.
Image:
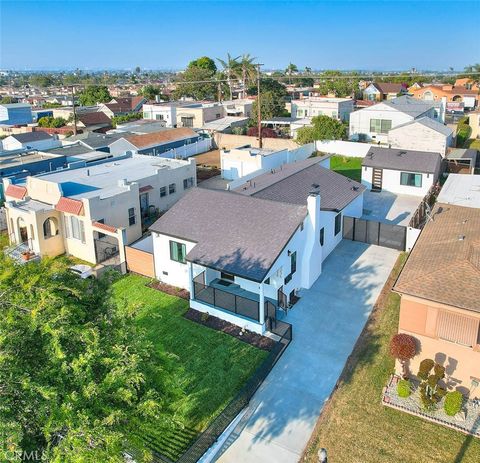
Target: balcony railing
{"x":225,"y":300}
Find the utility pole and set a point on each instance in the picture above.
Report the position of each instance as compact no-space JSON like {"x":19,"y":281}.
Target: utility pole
{"x":74,"y":112}
{"x":219,"y":90}
{"x":259,"y":110}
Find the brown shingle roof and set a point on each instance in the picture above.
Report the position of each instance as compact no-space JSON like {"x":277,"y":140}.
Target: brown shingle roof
{"x":444,"y":265}
{"x":389,"y":87}
{"x":94,"y":118}
{"x":159,"y":138}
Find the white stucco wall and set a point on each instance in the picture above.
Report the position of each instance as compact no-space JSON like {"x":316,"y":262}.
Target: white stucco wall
{"x":343,"y":148}
{"x":391,"y":182}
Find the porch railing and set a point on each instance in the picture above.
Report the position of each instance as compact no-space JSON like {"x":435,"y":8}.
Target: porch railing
{"x":225,"y":300}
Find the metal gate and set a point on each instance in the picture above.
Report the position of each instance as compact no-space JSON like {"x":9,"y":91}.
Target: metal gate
{"x":372,"y":232}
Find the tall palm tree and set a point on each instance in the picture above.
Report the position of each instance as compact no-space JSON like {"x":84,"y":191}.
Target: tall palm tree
{"x":248,"y":71}
{"x":291,"y":68}
{"x":308,"y":70}
{"x":230,"y":65}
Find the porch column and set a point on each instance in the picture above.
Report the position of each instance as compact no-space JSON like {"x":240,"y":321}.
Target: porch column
{"x":261,"y":305}
{"x":190,"y":279}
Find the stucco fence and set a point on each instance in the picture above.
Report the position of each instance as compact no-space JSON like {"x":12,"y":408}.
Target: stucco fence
{"x":3,"y":219}
{"x":185,"y":151}
{"x":343,"y":148}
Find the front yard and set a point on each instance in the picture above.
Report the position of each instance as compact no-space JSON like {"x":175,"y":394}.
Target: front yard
{"x":209,"y":367}
{"x":351,"y":167}
{"x":355,"y":428}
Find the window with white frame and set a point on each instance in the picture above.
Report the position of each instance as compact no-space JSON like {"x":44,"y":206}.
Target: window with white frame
{"x":410,"y":179}
{"x":380,"y":125}
{"x":163,"y":191}
{"x":187,"y":183}
{"x":74,"y":228}
{"x":132,"y":220}
{"x":172,"y":188}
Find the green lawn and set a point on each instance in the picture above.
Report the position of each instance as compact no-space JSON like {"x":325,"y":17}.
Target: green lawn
{"x":356,"y":428}
{"x":349,"y":166}
{"x":209,"y":366}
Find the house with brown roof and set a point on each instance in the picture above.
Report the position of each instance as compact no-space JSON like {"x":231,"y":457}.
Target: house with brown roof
{"x":123,"y":105}
{"x":439,"y":289}
{"x":155,"y":143}
{"x":379,"y":91}
{"x":93,"y":121}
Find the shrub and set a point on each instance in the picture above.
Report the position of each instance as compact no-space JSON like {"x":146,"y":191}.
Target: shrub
{"x":425,"y":367}
{"x":453,"y":403}
{"x":403,"y":347}
{"x":404,"y":388}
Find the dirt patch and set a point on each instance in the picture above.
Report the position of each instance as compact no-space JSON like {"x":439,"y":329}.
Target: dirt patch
{"x":254,"y":339}
{"x":204,"y":173}
{"x":172,"y":290}
{"x":210,"y":159}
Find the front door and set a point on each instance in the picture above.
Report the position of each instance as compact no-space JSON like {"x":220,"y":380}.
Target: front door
{"x":144,"y":204}
{"x":377,"y":176}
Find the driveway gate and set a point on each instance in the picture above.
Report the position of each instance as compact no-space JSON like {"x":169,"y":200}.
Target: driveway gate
{"x":372,"y":232}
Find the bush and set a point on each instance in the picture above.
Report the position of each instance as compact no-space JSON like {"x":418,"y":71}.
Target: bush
{"x":403,"y":347}
{"x":425,"y":367}
{"x":404,"y":388}
{"x":453,"y":403}
{"x":463,"y":132}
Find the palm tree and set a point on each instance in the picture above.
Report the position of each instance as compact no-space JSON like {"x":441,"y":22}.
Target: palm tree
{"x":291,"y":68}
{"x":229,"y":66}
{"x":308,"y":70}
{"x":248,"y":71}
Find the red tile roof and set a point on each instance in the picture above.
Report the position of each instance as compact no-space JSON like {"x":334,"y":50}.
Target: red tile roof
{"x":15,"y":191}
{"x":145,"y":188}
{"x":104,"y":226}
{"x":71,"y":206}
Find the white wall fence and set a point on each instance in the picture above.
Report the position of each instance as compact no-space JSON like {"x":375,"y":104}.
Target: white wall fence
{"x":3,"y":219}
{"x":301,"y":153}
{"x":343,"y":148}
{"x":182,"y":152}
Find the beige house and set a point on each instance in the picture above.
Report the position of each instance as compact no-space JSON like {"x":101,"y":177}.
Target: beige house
{"x":93,"y":212}
{"x":197,"y":114}
{"x":474,"y":122}
{"x":439,"y":288}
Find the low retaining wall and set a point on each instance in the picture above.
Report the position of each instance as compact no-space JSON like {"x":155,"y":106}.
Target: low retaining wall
{"x":343,"y":148}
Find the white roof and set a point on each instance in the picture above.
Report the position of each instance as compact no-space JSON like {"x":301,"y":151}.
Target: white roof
{"x":461,"y":190}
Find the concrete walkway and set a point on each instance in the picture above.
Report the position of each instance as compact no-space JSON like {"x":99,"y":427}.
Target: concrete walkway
{"x":326,"y":323}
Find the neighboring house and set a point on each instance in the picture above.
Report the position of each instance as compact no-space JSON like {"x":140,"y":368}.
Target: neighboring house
{"x":93,"y":121}
{"x":439,"y":287}
{"x":468,"y":83}
{"x":400,"y":171}
{"x":373,"y":123}
{"x":92,"y":212}
{"x":67,"y":112}
{"x":166,"y":112}
{"x":139,"y":127}
{"x":238,"y":108}
{"x":461,"y":160}
{"x":15,"y":114}
{"x":424,"y":134}
{"x":379,"y":91}
{"x":155,"y":143}
{"x":452,"y":94}
{"x":122,"y":105}
{"x":30,"y":140}
{"x":461,"y":190}
{"x":198,"y":114}
{"x":225,"y":124}
{"x":97,"y":141}
{"x":243,"y":255}
{"x":39,"y":113}
{"x":78,"y":153}
{"x":337,"y":108}
{"x":246,"y":160}
{"x":474,"y":122}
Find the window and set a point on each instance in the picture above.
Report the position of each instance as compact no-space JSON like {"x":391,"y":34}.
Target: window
{"x":50,"y":227}
{"x":159,"y":117}
{"x":131,"y":216}
{"x":217,"y":116}
{"x":187,"y":121}
{"x":380,"y":125}
{"x":163,"y":191}
{"x":177,"y":252}
{"x":409,"y":179}
{"x":77,"y":229}
{"x":338,"y":223}
{"x":187,"y":183}
{"x":322,"y":236}
{"x":101,"y":235}
{"x":293,"y":262}
{"x":227,"y":276}
{"x":172,"y":188}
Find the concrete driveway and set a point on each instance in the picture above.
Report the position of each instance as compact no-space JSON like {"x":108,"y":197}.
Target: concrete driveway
{"x":326,"y":324}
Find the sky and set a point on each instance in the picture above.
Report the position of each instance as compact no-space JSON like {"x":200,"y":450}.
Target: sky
{"x":109,"y":34}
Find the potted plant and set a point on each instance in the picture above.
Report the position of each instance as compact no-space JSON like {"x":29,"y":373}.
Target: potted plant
{"x":26,"y":255}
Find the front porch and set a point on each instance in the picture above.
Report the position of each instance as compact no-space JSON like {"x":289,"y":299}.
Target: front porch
{"x":232,"y":302}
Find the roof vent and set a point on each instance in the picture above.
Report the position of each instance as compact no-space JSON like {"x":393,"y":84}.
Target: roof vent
{"x":461,"y":237}
{"x":400,"y":153}
{"x":354,"y":188}
{"x":315,"y":185}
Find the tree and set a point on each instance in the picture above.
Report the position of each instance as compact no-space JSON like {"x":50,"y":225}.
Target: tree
{"x":270,"y":105}
{"x":71,"y":366}
{"x":266,"y":132}
{"x":94,"y":94}
{"x":6,"y":100}
{"x":196,"y":83}
{"x":206,"y":63}
{"x":323,"y":128}
{"x":125,"y":118}
{"x":248,"y":71}
{"x":151,"y":91}
{"x":51,"y":122}
{"x":41,"y":80}
{"x":403,"y":347}
{"x":269,"y":85}
{"x":230,"y":67}
{"x":291,"y":69}
{"x":137,"y":70}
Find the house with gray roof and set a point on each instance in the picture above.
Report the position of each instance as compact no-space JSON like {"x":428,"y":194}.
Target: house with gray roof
{"x":400,"y":171}
{"x":245,"y":253}
{"x":373,"y":123}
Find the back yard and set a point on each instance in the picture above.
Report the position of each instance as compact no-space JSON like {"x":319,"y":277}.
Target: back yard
{"x":209,"y":367}
{"x":351,"y":167}
{"x":354,"y":427}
